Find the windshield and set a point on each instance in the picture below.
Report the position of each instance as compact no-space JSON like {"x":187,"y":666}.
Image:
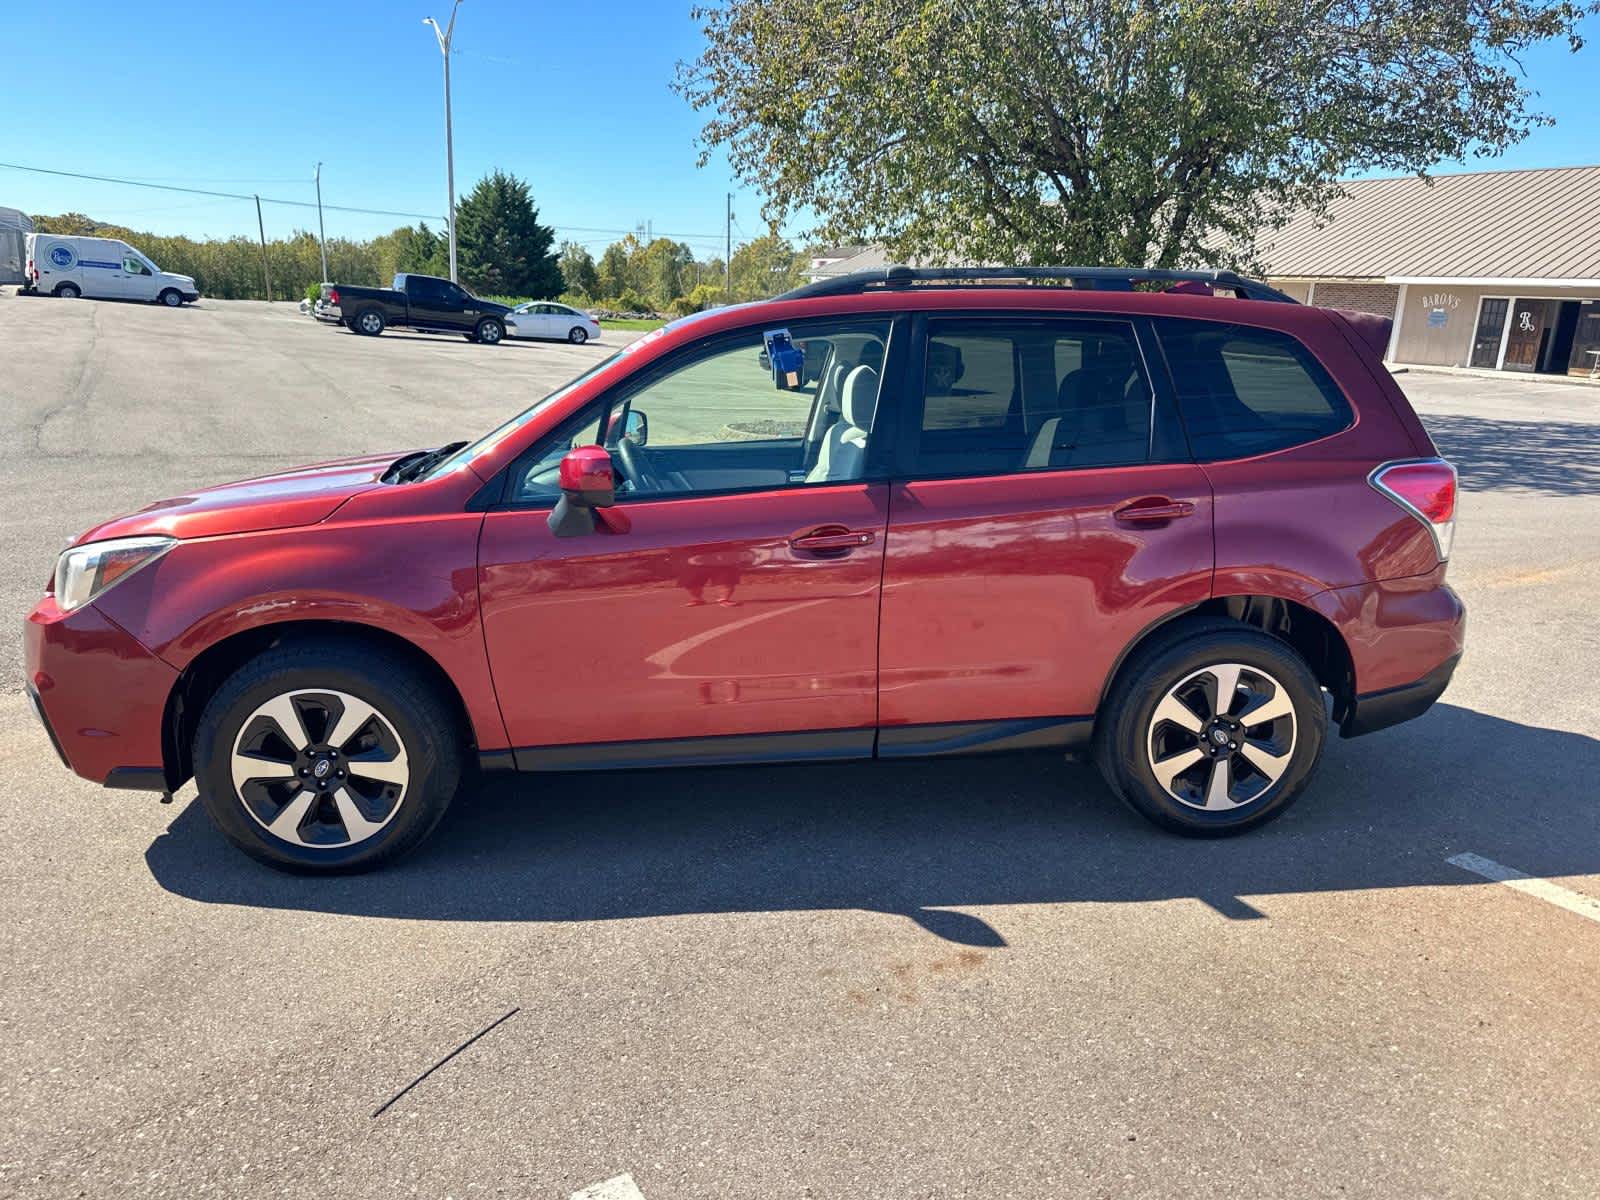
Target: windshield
{"x":471,"y":451}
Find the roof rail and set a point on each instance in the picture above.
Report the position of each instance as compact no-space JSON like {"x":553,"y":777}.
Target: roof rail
{"x":1105,"y":279}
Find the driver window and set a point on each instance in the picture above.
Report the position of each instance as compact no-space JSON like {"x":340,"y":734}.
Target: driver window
{"x":133,"y":266}
{"x":760,"y":411}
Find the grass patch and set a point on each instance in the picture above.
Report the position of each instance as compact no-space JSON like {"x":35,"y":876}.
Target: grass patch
{"x":642,"y":324}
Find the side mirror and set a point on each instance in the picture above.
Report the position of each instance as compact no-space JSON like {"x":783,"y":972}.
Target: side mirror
{"x":637,"y":427}
{"x":587,"y":482}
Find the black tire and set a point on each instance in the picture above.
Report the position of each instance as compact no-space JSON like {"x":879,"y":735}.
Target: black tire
{"x":172,"y":298}
{"x":471,"y":337}
{"x":67,"y":291}
{"x":369,"y":321}
{"x":428,"y":730}
{"x":578,"y":335}
{"x":489,"y":332}
{"x":1127,"y":735}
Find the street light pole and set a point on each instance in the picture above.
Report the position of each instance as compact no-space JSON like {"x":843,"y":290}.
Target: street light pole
{"x":322,"y":237}
{"x":443,"y":36}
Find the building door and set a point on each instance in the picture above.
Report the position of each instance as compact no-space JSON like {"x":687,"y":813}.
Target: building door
{"x":1530,"y":330}
{"x":1491,"y":325}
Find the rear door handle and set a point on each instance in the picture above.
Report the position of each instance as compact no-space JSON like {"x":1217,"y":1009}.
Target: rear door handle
{"x":834,"y":538}
{"x":1154,"y":508}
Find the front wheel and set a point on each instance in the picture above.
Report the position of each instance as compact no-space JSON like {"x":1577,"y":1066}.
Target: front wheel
{"x":489,"y":332}
{"x":1214,"y":733}
{"x":171,"y":298}
{"x":578,"y":336}
{"x":319,"y":758}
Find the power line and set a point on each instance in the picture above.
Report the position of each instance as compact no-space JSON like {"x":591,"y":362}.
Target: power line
{"x":379,"y":212}
{"x":171,"y":187}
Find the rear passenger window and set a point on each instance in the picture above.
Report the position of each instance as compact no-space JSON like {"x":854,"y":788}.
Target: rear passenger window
{"x":1245,"y":391}
{"x":1004,"y":396}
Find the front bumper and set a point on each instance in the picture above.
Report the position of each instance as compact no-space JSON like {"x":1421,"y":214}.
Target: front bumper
{"x":101,"y":695}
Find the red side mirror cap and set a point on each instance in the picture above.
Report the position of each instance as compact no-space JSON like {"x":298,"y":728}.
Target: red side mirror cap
{"x":587,"y":477}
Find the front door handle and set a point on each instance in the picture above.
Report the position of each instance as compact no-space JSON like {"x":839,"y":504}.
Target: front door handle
{"x":835,"y":539}
{"x":1153,"y":508}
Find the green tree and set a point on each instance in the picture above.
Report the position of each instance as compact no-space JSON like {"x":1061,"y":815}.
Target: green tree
{"x":501,"y":249}
{"x":766,"y":266}
{"x":1160,"y":132}
{"x":615,"y":274}
{"x":577,"y":268}
{"x":659,"y":269}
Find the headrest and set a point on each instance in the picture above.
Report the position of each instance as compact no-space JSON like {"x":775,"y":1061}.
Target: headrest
{"x":860,"y":397}
{"x":945,"y":358}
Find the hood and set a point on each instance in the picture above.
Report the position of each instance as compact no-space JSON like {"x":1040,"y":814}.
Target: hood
{"x":302,"y":496}
{"x":492,"y":306}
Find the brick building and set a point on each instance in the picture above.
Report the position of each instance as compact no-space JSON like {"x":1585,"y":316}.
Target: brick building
{"x":1491,"y":269}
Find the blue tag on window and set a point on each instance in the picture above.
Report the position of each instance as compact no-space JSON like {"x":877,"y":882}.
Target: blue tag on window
{"x":787,"y":360}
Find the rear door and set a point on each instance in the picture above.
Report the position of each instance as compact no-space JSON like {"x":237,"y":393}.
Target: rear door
{"x":1045,"y":512}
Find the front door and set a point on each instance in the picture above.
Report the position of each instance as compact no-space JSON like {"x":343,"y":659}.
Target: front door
{"x":1530,"y":329}
{"x":1046,"y":517}
{"x":731,"y":593}
{"x":436,"y":303}
{"x":136,"y":280}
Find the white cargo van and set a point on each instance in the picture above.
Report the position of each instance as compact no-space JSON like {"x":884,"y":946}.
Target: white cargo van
{"x":70,"y":266}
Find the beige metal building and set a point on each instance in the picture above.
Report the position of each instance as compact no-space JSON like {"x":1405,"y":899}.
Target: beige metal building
{"x":1491,"y":269}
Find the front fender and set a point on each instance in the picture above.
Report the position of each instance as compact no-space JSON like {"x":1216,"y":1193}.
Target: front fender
{"x":415,"y":579}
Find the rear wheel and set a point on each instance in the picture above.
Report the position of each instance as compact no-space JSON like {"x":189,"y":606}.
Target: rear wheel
{"x":68,"y":291}
{"x":578,"y":336}
{"x":1213,"y":733}
{"x":489,"y":332}
{"x":321,"y":758}
{"x":369,"y":321}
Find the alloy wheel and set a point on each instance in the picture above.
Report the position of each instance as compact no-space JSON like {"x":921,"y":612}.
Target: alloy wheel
{"x":1222,"y":737}
{"x":320,"y":768}
{"x":371,"y":322}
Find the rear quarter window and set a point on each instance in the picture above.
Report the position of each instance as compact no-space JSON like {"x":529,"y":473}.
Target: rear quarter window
{"x":1245,"y":391}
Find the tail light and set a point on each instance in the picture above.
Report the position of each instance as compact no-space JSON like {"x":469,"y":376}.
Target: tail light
{"x":1425,"y":488}
{"x":32,"y":272}
{"x":333,"y":295}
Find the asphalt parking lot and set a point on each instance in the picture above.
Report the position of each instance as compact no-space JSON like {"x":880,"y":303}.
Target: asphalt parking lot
{"x":974,"y":977}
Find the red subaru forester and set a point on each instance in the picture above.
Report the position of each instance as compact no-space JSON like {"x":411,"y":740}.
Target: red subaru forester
{"x":1172,"y":520}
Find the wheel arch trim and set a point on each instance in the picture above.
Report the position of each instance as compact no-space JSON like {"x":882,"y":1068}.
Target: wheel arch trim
{"x":200,"y":677}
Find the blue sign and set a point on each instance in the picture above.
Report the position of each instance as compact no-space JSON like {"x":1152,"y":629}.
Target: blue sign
{"x":62,"y":256}
{"x":1437,"y":318}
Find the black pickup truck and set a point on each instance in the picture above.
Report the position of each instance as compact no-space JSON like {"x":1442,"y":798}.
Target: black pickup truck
{"x":423,"y":302}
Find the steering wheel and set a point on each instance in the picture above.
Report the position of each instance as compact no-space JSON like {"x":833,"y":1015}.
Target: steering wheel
{"x":636,"y":466}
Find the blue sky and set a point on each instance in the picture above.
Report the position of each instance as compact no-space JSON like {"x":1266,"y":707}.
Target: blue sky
{"x":574,"y":97}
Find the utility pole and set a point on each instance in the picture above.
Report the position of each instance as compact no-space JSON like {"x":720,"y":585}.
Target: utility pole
{"x":322,"y":237}
{"x":443,"y":37}
{"x":262,"y":230}
{"x":727,"y":254}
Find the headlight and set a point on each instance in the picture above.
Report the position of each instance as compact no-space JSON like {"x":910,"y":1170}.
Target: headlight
{"x":83,"y":572}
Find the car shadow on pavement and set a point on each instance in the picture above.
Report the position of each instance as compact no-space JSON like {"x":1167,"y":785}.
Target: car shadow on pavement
{"x":928,"y":840}
{"x":1541,"y":458}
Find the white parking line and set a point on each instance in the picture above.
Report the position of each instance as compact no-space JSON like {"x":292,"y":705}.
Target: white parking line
{"x":1543,"y":889}
{"x":620,"y":1188}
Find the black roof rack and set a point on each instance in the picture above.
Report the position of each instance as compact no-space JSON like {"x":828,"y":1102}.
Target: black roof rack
{"x":1105,"y":279}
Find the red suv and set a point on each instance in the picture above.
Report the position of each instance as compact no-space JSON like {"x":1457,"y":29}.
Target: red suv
{"x":905,"y":513}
